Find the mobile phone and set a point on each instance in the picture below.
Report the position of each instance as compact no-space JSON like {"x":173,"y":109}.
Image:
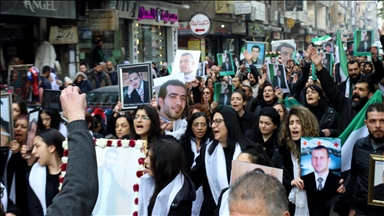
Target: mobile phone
{"x":51,"y":99}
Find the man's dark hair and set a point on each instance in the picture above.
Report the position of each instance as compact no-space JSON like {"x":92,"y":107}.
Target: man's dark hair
{"x":351,"y":62}
{"x":370,"y":85}
{"x":132,"y":72}
{"x":378,"y":107}
{"x":368,"y":63}
{"x":187,"y":54}
{"x":96,"y":64}
{"x":328,"y":44}
{"x":321,"y":147}
{"x":46,"y":69}
{"x":255,"y":46}
{"x":163,"y":88}
{"x":111,"y":150}
{"x":284,"y":45}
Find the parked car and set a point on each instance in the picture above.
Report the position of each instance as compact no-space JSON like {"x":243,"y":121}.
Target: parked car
{"x":103,"y":97}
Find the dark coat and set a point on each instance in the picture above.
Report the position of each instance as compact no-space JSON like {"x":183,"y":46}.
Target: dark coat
{"x":135,"y":98}
{"x":225,"y":68}
{"x":221,"y":99}
{"x":282,"y":159}
{"x":378,"y":192}
{"x":182,"y":204}
{"x":104,"y":81}
{"x":329,"y":121}
{"x":85,"y":86}
{"x":247,"y":121}
{"x":361,"y":46}
{"x":80,"y":187}
{"x":199,"y":176}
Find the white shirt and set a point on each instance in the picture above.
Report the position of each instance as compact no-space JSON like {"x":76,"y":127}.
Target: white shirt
{"x":324,"y":179}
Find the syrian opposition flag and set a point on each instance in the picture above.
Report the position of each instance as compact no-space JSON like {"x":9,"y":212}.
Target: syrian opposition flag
{"x":242,"y":53}
{"x":321,"y":40}
{"x":341,"y":58}
{"x":355,"y":130}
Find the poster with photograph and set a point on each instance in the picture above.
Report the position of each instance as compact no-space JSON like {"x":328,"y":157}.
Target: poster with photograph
{"x":6,"y":120}
{"x":33,"y":118}
{"x":363,"y":40}
{"x":376,"y":180}
{"x":296,"y":56}
{"x":327,"y":62}
{"x":201,"y":70}
{"x":186,"y":62}
{"x":222,"y":93}
{"x":272,"y":58}
{"x":239,"y":168}
{"x":278,"y":77}
{"x":172,"y":86}
{"x":225,"y":60}
{"x":320,"y":161}
{"x":135,"y":84}
{"x":118,"y":172}
{"x":257,"y":50}
{"x":328,"y":47}
{"x":350,"y":47}
{"x":285,"y":47}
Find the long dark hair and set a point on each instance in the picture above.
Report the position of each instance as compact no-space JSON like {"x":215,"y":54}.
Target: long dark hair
{"x":155,"y":129}
{"x":55,"y":119}
{"x":23,"y":107}
{"x":167,"y":161}
{"x":188,"y":135}
{"x":53,"y":137}
{"x":235,"y":135}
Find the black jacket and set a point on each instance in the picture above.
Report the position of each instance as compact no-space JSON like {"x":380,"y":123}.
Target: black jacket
{"x":182,"y":204}
{"x":85,"y":86}
{"x":339,"y":102}
{"x":374,"y":77}
{"x":199,"y":177}
{"x":247,"y":121}
{"x":327,"y":119}
{"x":282,"y":159}
{"x":358,"y":185}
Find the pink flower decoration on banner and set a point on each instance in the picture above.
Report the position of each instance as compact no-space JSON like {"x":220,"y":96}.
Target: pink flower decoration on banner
{"x":139,"y":174}
{"x":65,"y":153}
{"x":136,"y":201}
{"x":141,"y":161}
{"x":119,"y":143}
{"x":61,"y":180}
{"x":63,"y":167}
{"x":135,"y":213}
{"x":109,"y":143}
{"x":132,"y":143}
{"x":135,"y":187}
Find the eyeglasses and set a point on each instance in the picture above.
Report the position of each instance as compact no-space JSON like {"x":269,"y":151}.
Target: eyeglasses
{"x":201,"y":124}
{"x":216,"y":122}
{"x":204,"y":93}
{"x":145,"y":117}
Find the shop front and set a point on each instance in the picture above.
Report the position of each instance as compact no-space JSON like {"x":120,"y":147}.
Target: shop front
{"x":154,"y":34}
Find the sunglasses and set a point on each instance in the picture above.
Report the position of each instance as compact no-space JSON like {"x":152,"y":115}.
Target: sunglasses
{"x":204,"y":93}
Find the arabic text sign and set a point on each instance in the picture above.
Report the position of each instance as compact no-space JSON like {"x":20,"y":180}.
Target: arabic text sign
{"x":243,"y":8}
{"x":59,"y":35}
{"x":157,"y":14}
{"x":200,"y":24}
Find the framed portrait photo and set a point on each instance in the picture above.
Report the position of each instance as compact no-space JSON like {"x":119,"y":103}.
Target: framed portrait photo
{"x":257,"y":50}
{"x":222,"y":94}
{"x":6,"y":120}
{"x":320,"y":163}
{"x":376,"y":180}
{"x":33,"y":118}
{"x":186,"y":62}
{"x":285,"y":48}
{"x":327,"y":62}
{"x":135,"y":84}
{"x":225,"y":60}
{"x":201,"y":70}
{"x":363,"y":40}
{"x":277,"y":76}
{"x":328,"y":47}
{"x":272,"y":58}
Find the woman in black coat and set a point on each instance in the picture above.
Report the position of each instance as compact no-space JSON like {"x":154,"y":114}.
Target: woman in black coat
{"x":228,"y":143}
{"x":80,"y":80}
{"x":164,"y":175}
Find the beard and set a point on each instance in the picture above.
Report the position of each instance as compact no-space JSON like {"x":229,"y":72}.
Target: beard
{"x":377,"y":140}
{"x":358,"y":104}
{"x":354,"y":78}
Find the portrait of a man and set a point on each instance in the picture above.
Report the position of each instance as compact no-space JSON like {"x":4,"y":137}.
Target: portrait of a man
{"x":137,"y":91}
{"x":365,"y":45}
{"x":172,"y":99}
{"x":227,"y":64}
{"x":279,"y":79}
{"x":322,"y":178}
{"x":32,"y":129}
{"x":108,"y":185}
{"x":286,"y":51}
{"x":378,"y":190}
{"x":257,"y":50}
{"x":328,"y":47}
{"x":225,"y":97}
{"x":363,"y":40}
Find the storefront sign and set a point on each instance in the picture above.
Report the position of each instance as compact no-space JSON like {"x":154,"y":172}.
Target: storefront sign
{"x":157,"y":14}
{"x":243,"y":8}
{"x":103,"y":20}
{"x":40,"y":8}
{"x":59,"y":35}
{"x":200,"y":24}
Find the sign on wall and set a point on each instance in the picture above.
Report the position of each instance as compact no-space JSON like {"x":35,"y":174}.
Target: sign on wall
{"x":40,"y":8}
{"x":200,"y":24}
{"x":243,"y":8}
{"x":61,"y":35}
{"x":103,"y":20}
